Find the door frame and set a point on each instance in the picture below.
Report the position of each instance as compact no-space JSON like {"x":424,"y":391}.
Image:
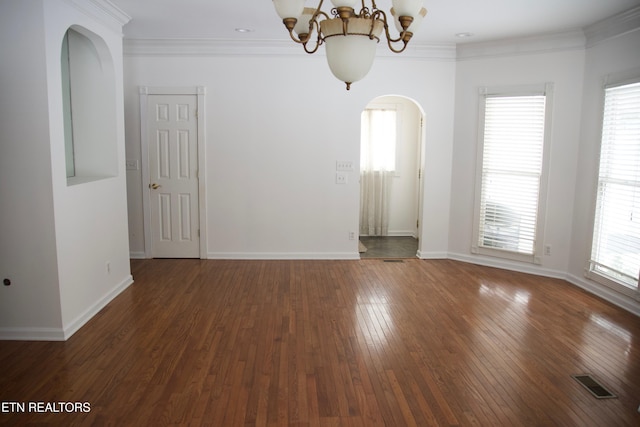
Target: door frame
{"x":199,"y":92}
{"x":420,"y":152}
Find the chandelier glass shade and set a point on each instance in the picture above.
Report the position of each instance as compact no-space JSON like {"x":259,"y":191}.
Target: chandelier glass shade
{"x":350,"y":38}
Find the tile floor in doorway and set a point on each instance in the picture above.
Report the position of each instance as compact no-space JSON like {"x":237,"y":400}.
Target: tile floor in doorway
{"x":389,"y":247}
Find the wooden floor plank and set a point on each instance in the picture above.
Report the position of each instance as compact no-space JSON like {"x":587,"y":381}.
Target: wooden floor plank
{"x":334,"y":343}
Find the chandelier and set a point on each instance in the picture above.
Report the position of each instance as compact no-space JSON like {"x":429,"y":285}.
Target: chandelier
{"x":350,"y":37}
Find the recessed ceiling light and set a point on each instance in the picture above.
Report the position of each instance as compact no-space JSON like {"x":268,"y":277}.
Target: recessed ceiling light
{"x":244,"y":30}
{"x":464,"y":35}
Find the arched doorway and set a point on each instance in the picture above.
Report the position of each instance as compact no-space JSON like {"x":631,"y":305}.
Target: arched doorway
{"x":391,"y":149}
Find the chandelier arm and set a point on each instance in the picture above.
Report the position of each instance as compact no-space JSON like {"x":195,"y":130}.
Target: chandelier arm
{"x":296,"y":39}
{"x":318,"y":39}
{"x":380,"y":14}
{"x":404,"y":46}
{"x":315,"y":48}
{"x":313,"y":21}
{"x":318,"y":13}
{"x":373,"y":24}
{"x":404,"y":36}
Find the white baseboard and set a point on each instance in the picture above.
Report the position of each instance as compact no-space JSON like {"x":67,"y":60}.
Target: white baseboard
{"x":606,"y":294}
{"x":73,"y":326}
{"x":63,"y":334}
{"x":137,"y":255}
{"x":431,"y":255}
{"x":609,"y":295}
{"x":406,"y":233}
{"x":508,"y":265}
{"x":32,"y":334}
{"x":396,"y":234}
{"x":285,"y":255}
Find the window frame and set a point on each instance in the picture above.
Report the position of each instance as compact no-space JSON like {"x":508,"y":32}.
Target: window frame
{"x":609,"y":81}
{"x":544,"y":89}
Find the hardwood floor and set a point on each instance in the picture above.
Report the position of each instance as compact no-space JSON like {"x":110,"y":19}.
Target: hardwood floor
{"x":334,"y":343}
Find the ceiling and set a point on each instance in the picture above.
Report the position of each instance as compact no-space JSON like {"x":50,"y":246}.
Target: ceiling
{"x":486,"y":19}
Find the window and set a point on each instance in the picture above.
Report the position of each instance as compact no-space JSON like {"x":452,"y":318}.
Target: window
{"x":511,"y":174}
{"x":615,"y":252}
{"x":379,"y":135}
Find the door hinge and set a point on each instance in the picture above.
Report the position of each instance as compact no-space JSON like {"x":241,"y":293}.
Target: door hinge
{"x":417,"y":223}
{"x":420,"y":173}
{"x":198,"y":232}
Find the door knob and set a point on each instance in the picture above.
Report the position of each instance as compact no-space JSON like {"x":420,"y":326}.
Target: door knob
{"x":154,"y":186}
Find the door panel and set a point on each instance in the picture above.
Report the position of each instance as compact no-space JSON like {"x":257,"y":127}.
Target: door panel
{"x":173,"y":176}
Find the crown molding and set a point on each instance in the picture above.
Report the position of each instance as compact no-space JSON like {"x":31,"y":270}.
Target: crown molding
{"x":575,"y":39}
{"x":208,"y":47}
{"x":435,"y":52}
{"x":615,"y":26}
{"x":421,"y":51}
{"x":104,"y":11}
{"x":228,"y":47}
{"x":545,"y":43}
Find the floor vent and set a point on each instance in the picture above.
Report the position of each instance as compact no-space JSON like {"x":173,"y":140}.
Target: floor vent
{"x":594,"y":387}
{"x":392,"y":260}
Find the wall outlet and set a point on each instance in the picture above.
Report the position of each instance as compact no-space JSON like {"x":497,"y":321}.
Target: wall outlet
{"x":547,"y":250}
{"x":341,"y":178}
{"x":352,"y":235}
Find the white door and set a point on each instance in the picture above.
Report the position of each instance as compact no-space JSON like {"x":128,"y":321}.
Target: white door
{"x":173,"y":176}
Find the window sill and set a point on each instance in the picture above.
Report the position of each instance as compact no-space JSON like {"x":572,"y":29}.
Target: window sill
{"x":76,"y":180}
{"x":612,"y":284}
{"x":505,"y":254}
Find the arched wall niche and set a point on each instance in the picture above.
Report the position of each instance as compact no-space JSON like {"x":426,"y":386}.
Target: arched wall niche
{"x":89,"y":106}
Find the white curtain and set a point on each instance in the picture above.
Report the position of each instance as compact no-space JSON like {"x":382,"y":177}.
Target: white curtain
{"x":377,"y":168}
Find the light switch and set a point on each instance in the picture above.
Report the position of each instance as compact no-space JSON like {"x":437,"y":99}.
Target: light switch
{"x":344,"y":166}
{"x":132,"y":165}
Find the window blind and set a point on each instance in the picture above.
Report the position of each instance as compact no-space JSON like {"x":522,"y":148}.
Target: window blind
{"x":513,"y":143}
{"x":616,"y":236}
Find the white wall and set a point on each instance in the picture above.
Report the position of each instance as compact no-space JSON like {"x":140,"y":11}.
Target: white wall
{"x":610,"y":58}
{"x":56,"y":238}
{"x":565,"y":70}
{"x":275,"y":127}
{"x":277,"y":124}
{"x":577,"y":75}
{"x":27,"y":247}
{"x":91,"y":218}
